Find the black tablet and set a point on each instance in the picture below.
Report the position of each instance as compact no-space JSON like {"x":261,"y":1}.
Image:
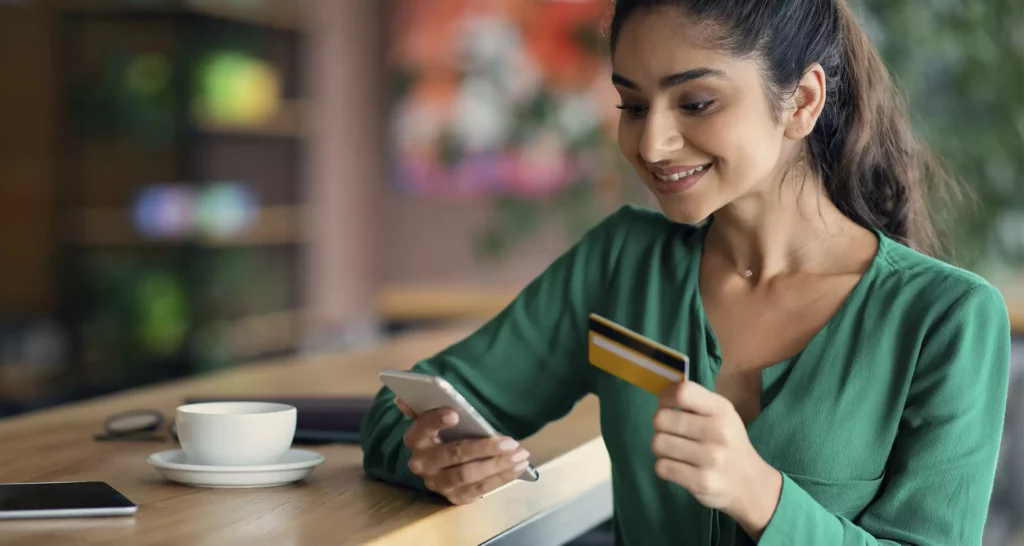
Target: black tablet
{"x":62,"y":500}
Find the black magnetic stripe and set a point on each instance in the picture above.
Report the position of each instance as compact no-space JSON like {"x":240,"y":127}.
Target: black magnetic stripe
{"x":653,"y":353}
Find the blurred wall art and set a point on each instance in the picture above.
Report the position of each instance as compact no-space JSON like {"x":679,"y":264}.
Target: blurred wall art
{"x":498,"y":98}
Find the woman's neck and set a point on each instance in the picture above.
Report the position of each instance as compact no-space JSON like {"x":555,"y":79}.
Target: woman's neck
{"x":795,"y":227}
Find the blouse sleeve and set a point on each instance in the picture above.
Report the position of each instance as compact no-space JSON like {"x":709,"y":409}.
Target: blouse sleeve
{"x":939,"y":476}
{"x":524,"y":368}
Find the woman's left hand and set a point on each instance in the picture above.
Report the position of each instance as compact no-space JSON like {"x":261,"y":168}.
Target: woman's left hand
{"x":702,"y":444}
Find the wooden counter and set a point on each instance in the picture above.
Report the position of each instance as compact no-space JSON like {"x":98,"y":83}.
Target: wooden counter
{"x":407,"y":303}
{"x":404,"y":303}
{"x":336,"y":505}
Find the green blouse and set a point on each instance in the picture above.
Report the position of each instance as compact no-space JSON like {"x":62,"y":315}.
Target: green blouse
{"x":886,"y":427}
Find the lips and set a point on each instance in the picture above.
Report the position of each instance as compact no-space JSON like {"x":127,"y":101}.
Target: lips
{"x":672,"y":175}
{"x":668,"y":182}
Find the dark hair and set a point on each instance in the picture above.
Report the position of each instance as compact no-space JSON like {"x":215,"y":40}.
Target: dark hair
{"x":870,"y":160}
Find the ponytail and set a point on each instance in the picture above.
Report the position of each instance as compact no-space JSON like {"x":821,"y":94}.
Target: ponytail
{"x":880,"y":164}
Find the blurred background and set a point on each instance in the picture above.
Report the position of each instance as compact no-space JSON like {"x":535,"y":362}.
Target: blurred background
{"x":190,"y":185}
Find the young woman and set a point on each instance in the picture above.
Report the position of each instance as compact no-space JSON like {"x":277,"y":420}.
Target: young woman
{"x":846,"y":389}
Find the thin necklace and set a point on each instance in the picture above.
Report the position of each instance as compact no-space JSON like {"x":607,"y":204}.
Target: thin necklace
{"x":747,"y":273}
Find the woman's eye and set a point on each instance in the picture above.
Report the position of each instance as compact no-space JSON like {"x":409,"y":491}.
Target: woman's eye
{"x":635,"y":112}
{"x":697,"y":107}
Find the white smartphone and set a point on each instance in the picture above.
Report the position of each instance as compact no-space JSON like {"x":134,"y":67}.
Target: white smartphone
{"x":422,"y":393}
{"x":62,"y":500}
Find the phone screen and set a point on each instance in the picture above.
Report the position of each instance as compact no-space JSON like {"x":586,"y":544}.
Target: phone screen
{"x":27,"y":497}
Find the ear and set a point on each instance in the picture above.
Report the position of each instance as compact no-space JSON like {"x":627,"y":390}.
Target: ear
{"x":809,"y":99}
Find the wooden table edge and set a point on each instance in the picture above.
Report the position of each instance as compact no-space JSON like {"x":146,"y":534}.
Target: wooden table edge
{"x":562,"y":480}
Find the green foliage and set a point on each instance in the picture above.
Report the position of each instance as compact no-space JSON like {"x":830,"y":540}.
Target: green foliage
{"x":515,"y":220}
{"x":961,"y":65}
{"x":130,"y":95}
{"x":135,"y":313}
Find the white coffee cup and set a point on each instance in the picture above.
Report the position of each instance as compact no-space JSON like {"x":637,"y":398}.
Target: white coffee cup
{"x":235,"y":433}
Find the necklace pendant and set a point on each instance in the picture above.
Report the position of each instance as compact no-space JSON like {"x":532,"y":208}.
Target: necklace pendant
{"x":747,"y":274}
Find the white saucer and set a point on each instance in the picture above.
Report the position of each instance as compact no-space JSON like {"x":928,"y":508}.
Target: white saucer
{"x":295,"y":465}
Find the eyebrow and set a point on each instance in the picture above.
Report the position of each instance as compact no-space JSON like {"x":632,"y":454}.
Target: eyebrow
{"x":673,"y":80}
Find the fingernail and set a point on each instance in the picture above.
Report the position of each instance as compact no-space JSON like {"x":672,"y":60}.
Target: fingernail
{"x":450,"y":418}
{"x":521,"y":456}
{"x":508,"y":444}
{"x":521,"y":466}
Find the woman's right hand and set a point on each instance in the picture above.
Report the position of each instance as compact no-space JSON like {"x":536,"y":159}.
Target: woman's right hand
{"x":464,"y":470}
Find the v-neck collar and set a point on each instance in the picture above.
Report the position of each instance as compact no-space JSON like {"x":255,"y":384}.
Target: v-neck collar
{"x":773,"y":371}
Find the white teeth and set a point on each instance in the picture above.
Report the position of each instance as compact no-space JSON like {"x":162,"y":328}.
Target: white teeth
{"x":677,"y":176}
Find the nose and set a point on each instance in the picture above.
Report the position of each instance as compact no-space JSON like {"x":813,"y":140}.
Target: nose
{"x":661,"y":138}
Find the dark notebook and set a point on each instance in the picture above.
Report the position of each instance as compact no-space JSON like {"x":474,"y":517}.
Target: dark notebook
{"x":319,"y":420}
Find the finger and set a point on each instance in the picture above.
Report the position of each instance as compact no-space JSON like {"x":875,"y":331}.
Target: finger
{"x":452,"y":454}
{"x":472,"y":492}
{"x":682,"y":423}
{"x":693,"y":397}
{"x":431,"y":460}
{"x":466,"y":474}
{"x":405,"y":409}
{"x":680,"y":449}
{"x":669,"y":395}
{"x":425,"y":430}
{"x":686,"y":475}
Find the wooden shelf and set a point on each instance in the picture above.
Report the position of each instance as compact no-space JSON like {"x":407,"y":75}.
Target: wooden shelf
{"x":263,"y":334}
{"x":280,"y":14}
{"x":1013,"y":293}
{"x":287,"y":122}
{"x":25,"y":384}
{"x":276,"y":14}
{"x":114,"y":227}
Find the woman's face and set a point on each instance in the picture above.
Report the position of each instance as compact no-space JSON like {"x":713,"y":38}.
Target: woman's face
{"x":695,"y":122}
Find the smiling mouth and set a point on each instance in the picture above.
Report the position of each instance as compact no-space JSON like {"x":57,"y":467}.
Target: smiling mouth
{"x":680,"y":175}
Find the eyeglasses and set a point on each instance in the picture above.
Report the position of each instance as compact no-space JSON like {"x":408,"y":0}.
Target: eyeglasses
{"x":137,"y":426}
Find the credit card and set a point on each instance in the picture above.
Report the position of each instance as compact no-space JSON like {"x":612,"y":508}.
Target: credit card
{"x":633,"y":357}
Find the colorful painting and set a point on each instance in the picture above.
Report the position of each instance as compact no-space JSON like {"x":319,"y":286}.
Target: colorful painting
{"x":499,"y":97}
